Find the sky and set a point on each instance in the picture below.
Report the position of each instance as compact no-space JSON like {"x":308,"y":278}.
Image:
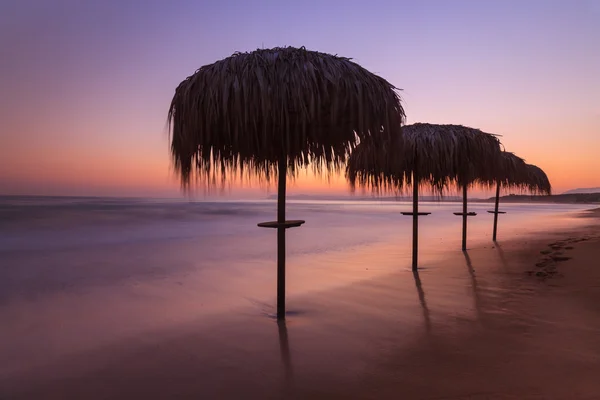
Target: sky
{"x":86,"y":85}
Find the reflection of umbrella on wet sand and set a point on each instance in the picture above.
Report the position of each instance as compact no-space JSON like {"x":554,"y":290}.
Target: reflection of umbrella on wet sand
{"x":422,"y":300}
{"x":434,"y":155}
{"x":284,"y":349}
{"x":476,"y":298}
{"x":514,"y":172}
{"x":501,"y":255}
{"x":270,"y":112}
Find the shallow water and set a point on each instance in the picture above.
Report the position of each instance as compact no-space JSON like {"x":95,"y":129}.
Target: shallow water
{"x":50,"y":244}
{"x":81,"y":274}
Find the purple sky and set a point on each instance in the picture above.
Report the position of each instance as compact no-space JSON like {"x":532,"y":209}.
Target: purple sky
{"x":86,"y":85}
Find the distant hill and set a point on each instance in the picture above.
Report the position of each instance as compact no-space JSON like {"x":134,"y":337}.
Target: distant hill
{"x":583,"y":190}
{"x":582,"y":198}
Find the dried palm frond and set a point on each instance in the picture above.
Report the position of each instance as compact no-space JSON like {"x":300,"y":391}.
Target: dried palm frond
{"x":516,"y":173}
{"x":513,"y":171}
{"x":538,"y":181}
{"x":247,"y":112}
{"x":437,"y":155}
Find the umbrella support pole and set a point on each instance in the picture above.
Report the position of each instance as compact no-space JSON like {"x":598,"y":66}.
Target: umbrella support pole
{"x":415,"y":214}
{"x":496,"y":211}
{"x":281,"y":225}
{"x":415,"y":249}
{"x":281,"y":238}
{"x":464,"y":219}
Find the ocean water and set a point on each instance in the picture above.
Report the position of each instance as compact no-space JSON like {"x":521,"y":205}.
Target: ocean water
{"x":79,"y":273}
{"x":53,"y":243}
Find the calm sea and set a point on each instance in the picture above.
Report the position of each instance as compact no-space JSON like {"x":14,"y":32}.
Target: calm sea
{"x":55,"y":243}
{"x":81,"y":273}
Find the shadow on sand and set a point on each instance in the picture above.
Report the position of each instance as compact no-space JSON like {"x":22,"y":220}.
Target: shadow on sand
{"x":284,"y":348}
{"x":476,"y":297}
{"x":421,"y":293}
{"x":501,"y":255}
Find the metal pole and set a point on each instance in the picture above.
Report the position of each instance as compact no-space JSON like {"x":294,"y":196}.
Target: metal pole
{"x":281,"y":238}
{"x":464,"y":215}
{"x":496,"y":211}
{"x":415,"y":252}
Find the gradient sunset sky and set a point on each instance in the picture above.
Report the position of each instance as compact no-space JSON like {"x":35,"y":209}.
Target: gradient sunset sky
{"x":86,"y":85}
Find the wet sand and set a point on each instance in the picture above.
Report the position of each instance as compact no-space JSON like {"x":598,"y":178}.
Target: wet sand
{"x":473,"y":325}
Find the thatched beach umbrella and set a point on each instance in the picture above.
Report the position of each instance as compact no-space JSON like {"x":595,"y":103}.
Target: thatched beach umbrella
{"x":477,"y":163}
{"x":514,"y":172}
{"x":538,"y":181}
{"x":268,"y":112}
{"x":435,"y":155}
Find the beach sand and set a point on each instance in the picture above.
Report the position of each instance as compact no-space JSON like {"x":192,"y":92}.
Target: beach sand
{"x":514,"y":320}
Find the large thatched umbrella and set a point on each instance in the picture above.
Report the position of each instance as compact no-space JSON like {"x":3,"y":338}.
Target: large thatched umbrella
{"x":514,"y":172}
{"x":271,"y":111}
{"x":435,"y":155}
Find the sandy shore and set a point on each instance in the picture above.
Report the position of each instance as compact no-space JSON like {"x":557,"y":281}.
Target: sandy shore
{"x":516,"y":320}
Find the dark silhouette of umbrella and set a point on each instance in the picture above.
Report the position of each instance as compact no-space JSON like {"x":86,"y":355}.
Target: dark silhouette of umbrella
{"x":269,"y":112}
{"x":514,"y":172}
{"x":435,"y":155}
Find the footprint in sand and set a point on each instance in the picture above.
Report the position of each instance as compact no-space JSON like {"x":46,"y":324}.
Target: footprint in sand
{"x":548,"y":264}
{"x":543,"y":263}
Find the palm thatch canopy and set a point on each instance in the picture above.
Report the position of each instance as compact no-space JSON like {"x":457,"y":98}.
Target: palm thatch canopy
{"x":515,"y":172}
{"x":438,"y":155}
{"x":538,"y":181}
{"x":251,"y":110}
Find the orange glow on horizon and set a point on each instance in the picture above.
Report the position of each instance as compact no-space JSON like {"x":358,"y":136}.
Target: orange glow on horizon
{"x":157,"y":176}
{"x":86,"y":90}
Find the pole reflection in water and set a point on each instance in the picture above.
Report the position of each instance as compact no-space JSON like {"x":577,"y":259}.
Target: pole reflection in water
{"x":284,"y":349}
{"x":422,"y":301}
{"x":501,"y":254}
{"x":476,"y":298}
